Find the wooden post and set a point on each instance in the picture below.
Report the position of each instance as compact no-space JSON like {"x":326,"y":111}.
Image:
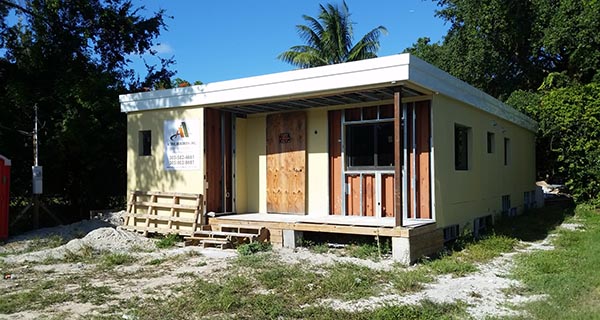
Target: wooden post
{"x":397,"y":155}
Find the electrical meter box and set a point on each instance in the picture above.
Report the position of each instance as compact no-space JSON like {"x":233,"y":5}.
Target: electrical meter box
{"x":37,"y":179}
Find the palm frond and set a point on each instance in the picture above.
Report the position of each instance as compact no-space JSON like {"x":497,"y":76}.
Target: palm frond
{"x":328,"y":39}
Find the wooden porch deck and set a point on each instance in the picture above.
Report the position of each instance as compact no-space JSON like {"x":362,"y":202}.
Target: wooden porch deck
{"x":331,"y":224}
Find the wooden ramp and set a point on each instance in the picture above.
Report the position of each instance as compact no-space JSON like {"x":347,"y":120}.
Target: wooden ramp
{"x":227,"y":235}
{"x":163,"y":213}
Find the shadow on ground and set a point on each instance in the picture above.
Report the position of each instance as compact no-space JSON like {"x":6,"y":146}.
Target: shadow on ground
{"x":535,"y":224}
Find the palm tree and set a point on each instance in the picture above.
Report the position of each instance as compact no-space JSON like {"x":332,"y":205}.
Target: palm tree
{"x":329,"y":40}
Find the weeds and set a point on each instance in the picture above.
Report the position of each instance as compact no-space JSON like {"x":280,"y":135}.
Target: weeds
{"x":450,"y":265}
{"x":110,"y":260}
{"x":410,"y":281}
{"x":252,"y":248}
{"x":96,"y":295}
{"x":39,"y":297}
{"x":168,"y":241}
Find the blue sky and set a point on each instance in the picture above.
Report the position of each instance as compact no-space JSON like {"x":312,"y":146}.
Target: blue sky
{"x":227,"y":39}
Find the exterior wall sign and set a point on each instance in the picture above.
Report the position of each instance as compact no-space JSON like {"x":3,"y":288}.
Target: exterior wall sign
{"x":285,"y":137}
{"x":182,"y":144}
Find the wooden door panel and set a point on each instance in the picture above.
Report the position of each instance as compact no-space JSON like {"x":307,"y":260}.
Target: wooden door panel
{"x":286,"y":162}
{"x":214,"y":192}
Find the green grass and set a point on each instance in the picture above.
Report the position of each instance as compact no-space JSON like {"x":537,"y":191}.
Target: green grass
{"x":453,"y":265}
{"x":569,"y":275}
{"x":40,"y":296}
{"x":373,"y":251}
{"x":96,"y":295}
{"x":110,"y":260}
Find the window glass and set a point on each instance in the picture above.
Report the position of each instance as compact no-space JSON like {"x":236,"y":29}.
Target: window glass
{"x":360,"y":145}
{"x":145,"y":143}
{"x":370,"y":145}
{"x":385,"y":144}
{"x":490,"y":142}
{"x":461,"y":147}
{"x":386,"y":112}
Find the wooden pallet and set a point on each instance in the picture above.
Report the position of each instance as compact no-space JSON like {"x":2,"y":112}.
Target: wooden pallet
{"x":226,"y":235}
{"x":152,"y":212}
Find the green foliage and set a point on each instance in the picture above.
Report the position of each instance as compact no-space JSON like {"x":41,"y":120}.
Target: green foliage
{"x":502,"y":46}
{"x":168,"y":241}
{"x":70,"y":59}
{"x":329,"y":40}
{"x":252,"y":248}
{"x":568,"y":146}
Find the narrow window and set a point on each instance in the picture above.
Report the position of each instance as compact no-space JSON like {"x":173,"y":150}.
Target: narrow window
{"x":506,"y":151}
{"x":491,"y":141}
{"x":145,"y":143}
{"x":461,"y":147}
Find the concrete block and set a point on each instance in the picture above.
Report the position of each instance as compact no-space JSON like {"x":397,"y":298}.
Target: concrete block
{"x":401,"y":250}
{"x":292,"y":238}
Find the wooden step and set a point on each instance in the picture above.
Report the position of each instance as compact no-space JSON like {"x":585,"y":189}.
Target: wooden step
{"x":225,"y":234}
{"x":238,"y":227}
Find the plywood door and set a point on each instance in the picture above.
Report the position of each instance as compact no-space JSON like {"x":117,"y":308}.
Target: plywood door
{"x":219,"y":176}
{"x":214,"y":193}
{"x":286,"y":162}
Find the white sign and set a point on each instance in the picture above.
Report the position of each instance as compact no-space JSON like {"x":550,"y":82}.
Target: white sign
{"x":182,"y":144}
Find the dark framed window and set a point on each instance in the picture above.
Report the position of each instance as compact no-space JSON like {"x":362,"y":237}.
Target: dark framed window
{"x":145,"y":143}
{"x":506,"y":151}
{"x":370,"y":145}
{"x":491,"y":142}
{"x":461,"y":147}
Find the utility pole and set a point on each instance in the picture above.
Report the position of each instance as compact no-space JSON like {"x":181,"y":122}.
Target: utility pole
{"x":36,"y":172}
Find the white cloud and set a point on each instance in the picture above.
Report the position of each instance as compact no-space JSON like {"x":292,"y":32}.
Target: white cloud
{"x":163,"y":48}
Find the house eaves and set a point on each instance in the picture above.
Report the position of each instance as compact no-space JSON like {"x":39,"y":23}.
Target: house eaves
{"x":352,"y":82}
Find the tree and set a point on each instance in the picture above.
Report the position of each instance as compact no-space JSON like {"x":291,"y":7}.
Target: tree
{"x":501,"y":46}
{"x":329,"y":40}
{"x":569,"y":136}
{"x":69,"y":57}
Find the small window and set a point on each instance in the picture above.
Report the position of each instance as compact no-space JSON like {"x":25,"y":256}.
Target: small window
{"x":506,"y":151}
{"x":461,"y":147}
{"x":491,"y":142}
{"x":145,"y":143}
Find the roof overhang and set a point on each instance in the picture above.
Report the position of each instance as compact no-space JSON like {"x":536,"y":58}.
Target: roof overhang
{"x":362,"y":81}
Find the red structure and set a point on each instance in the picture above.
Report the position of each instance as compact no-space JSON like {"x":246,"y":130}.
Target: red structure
{"x":4,"y":195}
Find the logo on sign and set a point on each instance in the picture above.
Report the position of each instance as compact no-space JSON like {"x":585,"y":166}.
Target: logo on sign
{"x":285,"y":137}
{"x":182,"y":132}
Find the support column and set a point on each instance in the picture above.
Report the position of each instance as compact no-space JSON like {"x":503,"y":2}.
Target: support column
{"x":292,"y":239}
{"x":397,"y":156}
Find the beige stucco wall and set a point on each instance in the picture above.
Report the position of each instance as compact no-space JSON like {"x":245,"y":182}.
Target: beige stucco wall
{"x":317,"y":146}
{"x":147,"y":172}
{"x":461,"y":196}
{"x":255,"y":166}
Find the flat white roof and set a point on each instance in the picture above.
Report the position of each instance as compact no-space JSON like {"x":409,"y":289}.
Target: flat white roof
{"x":380,"y":72}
